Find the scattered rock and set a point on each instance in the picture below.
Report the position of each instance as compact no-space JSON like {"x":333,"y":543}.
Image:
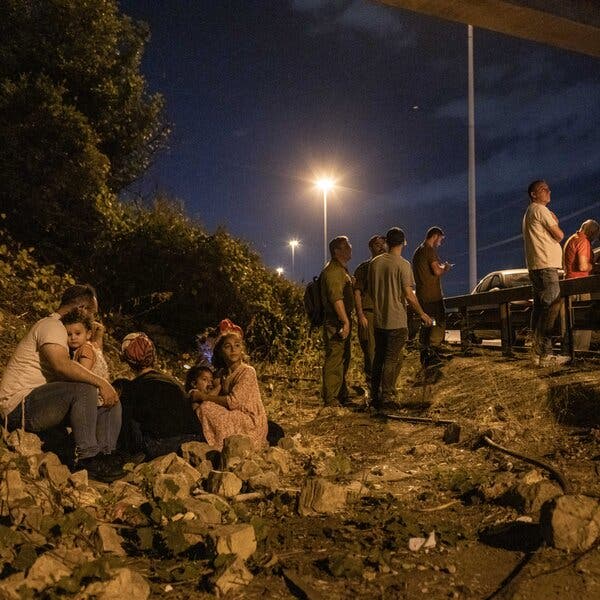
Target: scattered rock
{"x":109,"y":540}
{"x":319,"y":496}
{"x":571,"y":523}
{"x":247,"y":468}
{"x":238,"y":539}
{"x":196,"y":452}
{"x":268,"y":481}
{"x":235,"y":449}
{"x":223,"y":483}
{"x":57,"y":474}
{"x":24,"y":443}
{"x":279,"y":458}
{"x":231,"y":576}
{"x":125,"y":583}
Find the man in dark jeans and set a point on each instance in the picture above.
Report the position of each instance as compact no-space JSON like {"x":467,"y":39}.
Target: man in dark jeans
{"x":428,"y":270}
{"x":543,"y":253}
{"x":42,"y":388}
{"x":391,"y":286}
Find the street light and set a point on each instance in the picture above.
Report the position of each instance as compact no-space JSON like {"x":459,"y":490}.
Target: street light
{"x":325,"y":184}
{"x":279,"y":271}
{"x":292,"y":244}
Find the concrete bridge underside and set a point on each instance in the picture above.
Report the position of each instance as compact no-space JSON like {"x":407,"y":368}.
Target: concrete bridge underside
{"x":568,"y":24}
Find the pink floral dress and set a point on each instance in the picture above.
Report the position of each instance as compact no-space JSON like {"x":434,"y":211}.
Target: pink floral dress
{"x":244,"y":413}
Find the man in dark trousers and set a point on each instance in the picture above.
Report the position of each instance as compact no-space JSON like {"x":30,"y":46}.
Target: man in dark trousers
{"x":428,"y":270}
{"x":364,"y":305}
{"x":337,"y":298}
{"x":391,"y":285}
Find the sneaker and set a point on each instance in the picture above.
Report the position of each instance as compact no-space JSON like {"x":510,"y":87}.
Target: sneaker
{"x":101,"y":468}
{"x":554,"y":360}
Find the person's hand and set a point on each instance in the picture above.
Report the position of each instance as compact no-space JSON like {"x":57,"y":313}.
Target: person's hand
{"x":362,"y":321}
{"x":447,"y":266}
{"x":109,"y":394}
{"x":344,"y":332}
{"x":215,"y":390}
{"x":427,"y":320}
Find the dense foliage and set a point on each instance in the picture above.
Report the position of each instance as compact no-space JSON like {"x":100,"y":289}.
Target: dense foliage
{"x":78,"y":125}
{"x":76,"y":121}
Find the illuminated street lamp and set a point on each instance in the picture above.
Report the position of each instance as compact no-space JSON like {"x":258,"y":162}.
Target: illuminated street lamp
{"x":279,"y":271}
{"x":292,"y":244}
{"x":325,"y":184}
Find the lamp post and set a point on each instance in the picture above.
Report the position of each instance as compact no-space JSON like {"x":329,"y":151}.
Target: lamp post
{"x":292,"y":244}
{"x":325,"y":184}
{"x":279,"y":271}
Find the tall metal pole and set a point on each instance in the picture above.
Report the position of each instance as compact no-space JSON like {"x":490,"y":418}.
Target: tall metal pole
{"x":324,"y":226}
{"x":472,"y":200}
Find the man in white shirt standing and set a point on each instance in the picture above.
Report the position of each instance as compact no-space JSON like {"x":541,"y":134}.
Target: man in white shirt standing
{"x":543,"y":254}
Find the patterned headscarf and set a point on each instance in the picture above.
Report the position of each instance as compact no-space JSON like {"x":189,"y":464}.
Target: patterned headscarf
{"x":138,"y":350}
{"x":227,"y":326}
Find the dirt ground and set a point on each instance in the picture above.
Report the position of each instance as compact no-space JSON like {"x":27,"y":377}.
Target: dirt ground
{"x":418,"y":484}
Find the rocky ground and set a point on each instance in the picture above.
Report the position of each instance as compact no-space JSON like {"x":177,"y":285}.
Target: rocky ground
{"x":347,"y":506}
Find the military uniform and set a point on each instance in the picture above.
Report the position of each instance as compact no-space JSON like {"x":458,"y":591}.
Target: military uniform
{"x":336,"y":284}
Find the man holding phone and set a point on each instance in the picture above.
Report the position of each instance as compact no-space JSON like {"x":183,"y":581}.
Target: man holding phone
{"x":428,"y":270}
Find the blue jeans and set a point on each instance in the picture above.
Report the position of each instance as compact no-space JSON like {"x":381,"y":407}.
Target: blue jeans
{"x":546,"y":307}
{"x":387,"y":364}
{"x":95,"y":429}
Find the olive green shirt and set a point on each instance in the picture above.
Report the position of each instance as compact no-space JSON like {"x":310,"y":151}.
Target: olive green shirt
{"x":361,"y":284}
{"x":336,"y":284}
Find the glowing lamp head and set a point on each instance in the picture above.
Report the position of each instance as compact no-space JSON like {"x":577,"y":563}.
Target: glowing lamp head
{"x":293,"y":243}
{"x":279,"y":270}
{"x":325,"y":184}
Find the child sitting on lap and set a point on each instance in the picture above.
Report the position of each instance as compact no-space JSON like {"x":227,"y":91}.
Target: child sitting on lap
{"x":85,"y":351}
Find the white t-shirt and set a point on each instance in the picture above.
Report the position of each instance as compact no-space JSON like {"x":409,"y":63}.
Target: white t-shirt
{"x":25,"y":370}
{"x":542,"y":251}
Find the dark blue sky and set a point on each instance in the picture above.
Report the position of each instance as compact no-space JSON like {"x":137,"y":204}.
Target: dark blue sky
{"x":265,"y":95}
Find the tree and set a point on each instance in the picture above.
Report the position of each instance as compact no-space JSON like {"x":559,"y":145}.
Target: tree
{"x":76,"y":120}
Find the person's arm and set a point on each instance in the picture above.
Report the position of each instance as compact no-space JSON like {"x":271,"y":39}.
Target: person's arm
{"x":66,"y":369}
{"x":360,"y":315}
{"x":340,"y":311}
{"x":583,"y":264}
{"x":85,"y":356}
{"x":555,"y":231}
{"x":411,"y":298}
{"x":439,"y":268}
{"x":98,"y":334}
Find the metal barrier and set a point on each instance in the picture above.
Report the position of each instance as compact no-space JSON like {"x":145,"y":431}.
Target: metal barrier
{"x":503,"y":310}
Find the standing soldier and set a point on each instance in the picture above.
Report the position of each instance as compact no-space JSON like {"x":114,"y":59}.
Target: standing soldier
{"x":337,"y":298}
{"x":428,"y":270}
{"x":364,"y":305}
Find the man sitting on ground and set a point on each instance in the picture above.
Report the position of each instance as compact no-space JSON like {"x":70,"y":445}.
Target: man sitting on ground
{"x":42,"y":388}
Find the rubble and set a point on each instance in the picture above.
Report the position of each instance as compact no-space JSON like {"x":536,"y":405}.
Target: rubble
{"x":223,"y":483}
{"x":571,"y":523}
{"x":319,"y":496}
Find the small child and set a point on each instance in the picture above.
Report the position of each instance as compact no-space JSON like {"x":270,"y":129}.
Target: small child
{"x":199,"y":378}
{"x":84,"y":351}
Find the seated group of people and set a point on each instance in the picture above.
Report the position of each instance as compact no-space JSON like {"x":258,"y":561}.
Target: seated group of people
{"x":57,"y":376}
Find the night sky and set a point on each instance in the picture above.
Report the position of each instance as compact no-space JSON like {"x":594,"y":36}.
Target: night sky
{"x":264,"y":96}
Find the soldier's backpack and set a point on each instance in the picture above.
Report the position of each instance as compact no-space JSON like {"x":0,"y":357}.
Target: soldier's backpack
{"x":313,"y":305}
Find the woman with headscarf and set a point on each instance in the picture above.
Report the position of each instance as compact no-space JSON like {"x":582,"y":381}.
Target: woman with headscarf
{"x":157,"y":413}
{"x":234,"y":406}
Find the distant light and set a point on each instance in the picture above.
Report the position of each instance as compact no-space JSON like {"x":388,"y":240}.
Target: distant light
{"x":279,"y":270}
{"x":325,"y":184}
{"x":293,"y":243}
{"x":415,"y":107}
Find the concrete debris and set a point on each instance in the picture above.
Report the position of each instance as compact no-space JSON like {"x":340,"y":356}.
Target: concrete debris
{"x":238,"y":539}
{"x":125,"y":583}
{"x":319,"y":496}
{"x":223,"y":483}
{"x":24,"y":443}
{"x":279,"y":458}
{"x":235,"y":449}
{"x":109,"y":540}
{"x":231,"y":576}
{"x":571,"y":523}
{"x":247,"y":468}
{"x":196,"y":452}
{"x":268,"y":481}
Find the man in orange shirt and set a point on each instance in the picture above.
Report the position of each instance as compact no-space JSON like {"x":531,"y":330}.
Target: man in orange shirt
{"x":578,"y":261}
